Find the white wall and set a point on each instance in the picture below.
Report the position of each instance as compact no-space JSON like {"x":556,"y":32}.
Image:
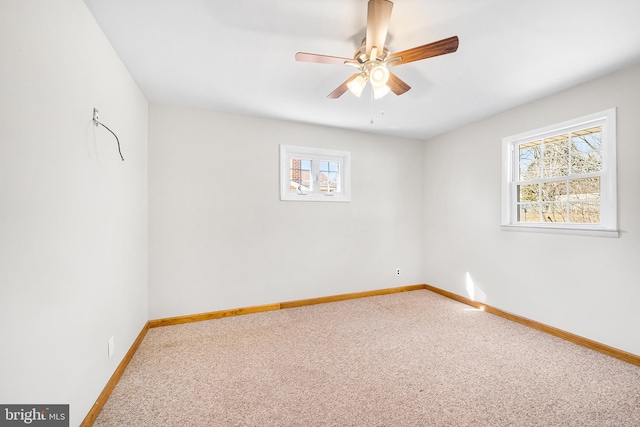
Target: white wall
{"x":73,"y":216}
{"x":220,"y":238}
{"x":586,"y":285}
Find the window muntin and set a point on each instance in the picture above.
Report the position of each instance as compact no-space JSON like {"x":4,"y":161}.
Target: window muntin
{"x":314,"y":174}
{"x":562,"y":176}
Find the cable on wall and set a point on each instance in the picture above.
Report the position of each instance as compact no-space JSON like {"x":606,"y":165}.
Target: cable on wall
{"x":96,"y":122}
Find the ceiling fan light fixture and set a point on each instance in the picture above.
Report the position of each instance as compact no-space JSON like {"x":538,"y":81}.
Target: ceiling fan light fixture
{"x":372,"y":57}
{"x":356,"y":86}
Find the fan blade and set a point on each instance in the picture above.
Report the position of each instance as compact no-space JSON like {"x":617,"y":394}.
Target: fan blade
{"x":396,"y":85}
{"x":378,"y":17}
{"x":337,"y":93}
{"x":441,"y":47}
{"x":321,"y":59}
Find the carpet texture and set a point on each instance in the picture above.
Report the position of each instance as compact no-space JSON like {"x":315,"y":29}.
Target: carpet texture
{"x":406,"y":359}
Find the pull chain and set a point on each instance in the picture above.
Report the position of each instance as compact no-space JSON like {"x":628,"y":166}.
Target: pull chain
{"x":371,"y":105}
{"x":381,"y":106}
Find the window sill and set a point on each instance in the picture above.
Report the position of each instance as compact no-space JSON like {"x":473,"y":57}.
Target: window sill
{"x":594,"y":232}
{"x":313,"y":198}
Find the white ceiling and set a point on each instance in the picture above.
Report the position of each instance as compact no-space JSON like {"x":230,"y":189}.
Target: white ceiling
{"x":238,"y":55}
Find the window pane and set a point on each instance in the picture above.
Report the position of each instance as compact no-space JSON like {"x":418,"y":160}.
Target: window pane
{"x":329,"y":177}
{"x":585,"y":200}
{"x":587,"y":212}
{"x":587,"y":139}
{"x":556,"y":156}
{"x":528,"y":193}
{"x":529,"y":160}
{"x":584,"y":188}
{"x":586,"y":151}
{"x":554,"y":212}
{"x":529,"y":212}
{"x":591,"y":163}
{"x":554,"y":191}
{"x":300,"y":174}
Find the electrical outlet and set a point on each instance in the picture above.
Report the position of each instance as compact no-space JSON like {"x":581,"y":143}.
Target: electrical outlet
{"x":95,"y":117}
{"x":111,"y":346}
{"x":397,"y":271}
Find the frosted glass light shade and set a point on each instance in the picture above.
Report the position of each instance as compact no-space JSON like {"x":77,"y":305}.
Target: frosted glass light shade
{"x":357,"y":85}
{"x":379,"y":92}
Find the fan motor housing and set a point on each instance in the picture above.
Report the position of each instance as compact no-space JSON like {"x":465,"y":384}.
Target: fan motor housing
{"x":362,"y":57}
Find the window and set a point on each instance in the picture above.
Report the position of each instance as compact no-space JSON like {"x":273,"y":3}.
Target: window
{"x":313,"y":174}
{"x":562,"y":178}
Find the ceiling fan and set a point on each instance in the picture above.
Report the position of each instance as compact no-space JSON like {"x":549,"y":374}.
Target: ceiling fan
{"x":372,"y":57}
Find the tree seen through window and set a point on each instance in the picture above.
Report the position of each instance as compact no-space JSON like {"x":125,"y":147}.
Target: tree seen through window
{"x":559,"y":178}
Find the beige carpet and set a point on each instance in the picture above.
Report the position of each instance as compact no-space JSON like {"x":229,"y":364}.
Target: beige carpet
{"x":408,"y":359}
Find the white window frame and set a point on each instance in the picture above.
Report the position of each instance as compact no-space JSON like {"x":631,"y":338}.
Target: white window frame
{"x":608,"y":226}
{"x":287,"y":152}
